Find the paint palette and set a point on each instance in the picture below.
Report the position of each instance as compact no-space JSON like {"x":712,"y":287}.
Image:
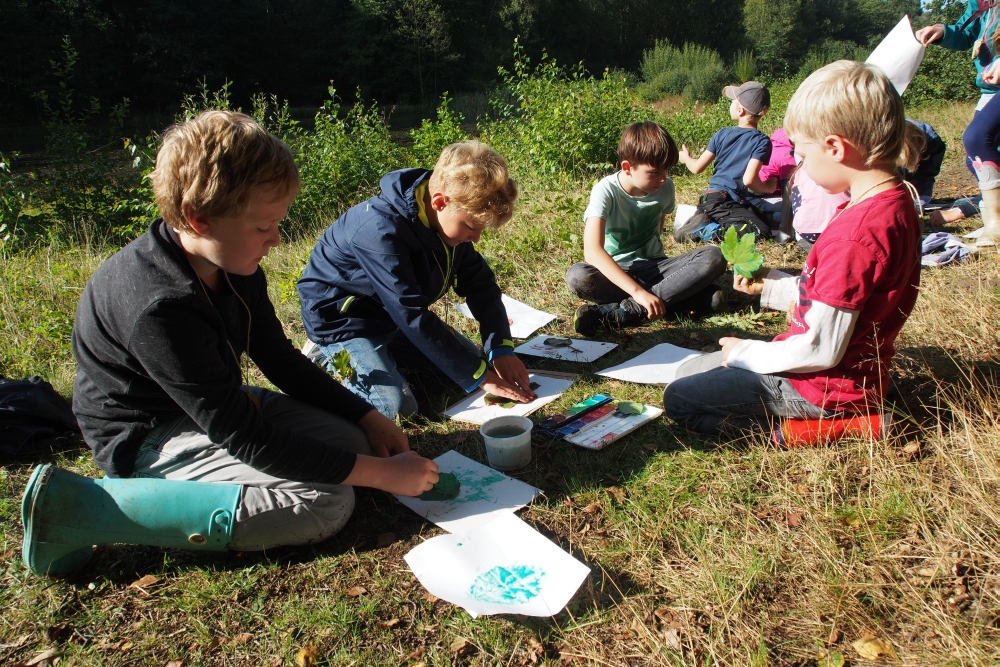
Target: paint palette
{"x":597,"y":421}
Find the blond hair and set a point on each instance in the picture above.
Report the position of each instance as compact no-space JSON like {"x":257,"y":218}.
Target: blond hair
{"x":474,"y":178}
{"x":212,"y":163}
{"x":855,"y":101}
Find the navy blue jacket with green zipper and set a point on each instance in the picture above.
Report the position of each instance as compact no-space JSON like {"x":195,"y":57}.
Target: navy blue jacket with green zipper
{"x":378,"y":268}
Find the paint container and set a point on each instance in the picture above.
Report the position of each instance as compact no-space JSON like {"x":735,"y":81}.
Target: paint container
{"x":508,"y":442}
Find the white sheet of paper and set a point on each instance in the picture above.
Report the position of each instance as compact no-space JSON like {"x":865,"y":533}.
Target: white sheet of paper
{"x":683,"y":214}
{"x":657,"y":365}
{"x":473,"y":408}
{"x":578,"y":350}
{"x":484,"y":495}
{"x":526,"y":320}
{"x":899,"y":55}
{"x":974,"y":234}
{"x":504,"y":567}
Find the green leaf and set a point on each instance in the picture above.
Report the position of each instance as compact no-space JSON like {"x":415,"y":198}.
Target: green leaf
{"x":447,"y":488}
{"x":740,"y":252}
{"x":342,"y":366}
{"x":630,"y":407}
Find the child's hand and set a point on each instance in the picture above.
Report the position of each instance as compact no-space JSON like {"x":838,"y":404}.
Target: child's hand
{"x":930,"y":34}
{"x":748,"y":286}
{"x":512,"y":370}
{"x":655,"y":308}
{"x":992,"y":74}
{"x":383,"y":435}
{"x":406,"y":474}
{"x":728,"y":343}
{"x":496,"y":385}
{"x":683,"y":154}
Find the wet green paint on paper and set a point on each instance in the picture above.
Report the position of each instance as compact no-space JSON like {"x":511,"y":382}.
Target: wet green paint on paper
{"x":501,"y":585}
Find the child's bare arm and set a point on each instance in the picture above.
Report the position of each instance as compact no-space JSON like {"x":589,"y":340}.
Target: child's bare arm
{"x":595,"y":255}
{"x":695,"y":165}
{"x":407,"y":474}
{"x":751,"y":178}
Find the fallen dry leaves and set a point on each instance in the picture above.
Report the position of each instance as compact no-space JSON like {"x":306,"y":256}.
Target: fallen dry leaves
{"x":356,"y":591}
{"x":462,"y":647}
{"x":871,"y":647}
{"x":307,"y":656}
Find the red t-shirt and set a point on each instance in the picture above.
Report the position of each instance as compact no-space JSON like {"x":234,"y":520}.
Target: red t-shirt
{"x":867,"y":260}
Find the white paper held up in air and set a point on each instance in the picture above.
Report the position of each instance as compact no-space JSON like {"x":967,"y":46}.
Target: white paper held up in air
{"x":474,"y":409}
{"x":657,"y":365}
{"x":485,"y":494}
{"x":504,"y":567}
{"x":899,"y":55}
{"x":575,"y":350}
{"x":525,"y":320}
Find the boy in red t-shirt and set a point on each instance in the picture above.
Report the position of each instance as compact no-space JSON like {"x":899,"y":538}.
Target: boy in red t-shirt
{"x":858,"y":285}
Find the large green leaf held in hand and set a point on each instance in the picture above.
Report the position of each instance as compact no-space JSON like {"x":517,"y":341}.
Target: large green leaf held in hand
{"x":740,"y":253}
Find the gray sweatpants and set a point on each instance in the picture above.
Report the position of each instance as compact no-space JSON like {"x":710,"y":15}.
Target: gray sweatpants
{"x":272,"y":511}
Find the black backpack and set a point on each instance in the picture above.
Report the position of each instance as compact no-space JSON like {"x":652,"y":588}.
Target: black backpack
{"x":727,"y":212}
{"x":31,"y":410}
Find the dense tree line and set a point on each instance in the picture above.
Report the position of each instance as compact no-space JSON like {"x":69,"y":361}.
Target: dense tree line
{"x":153,"y":51}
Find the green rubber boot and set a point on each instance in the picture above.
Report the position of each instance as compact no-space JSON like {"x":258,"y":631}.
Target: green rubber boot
{"x":65,"y":514}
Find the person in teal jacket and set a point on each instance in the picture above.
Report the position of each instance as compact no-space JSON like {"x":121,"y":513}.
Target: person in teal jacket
{"x":976,"y":30}
{"x":979,"y":29}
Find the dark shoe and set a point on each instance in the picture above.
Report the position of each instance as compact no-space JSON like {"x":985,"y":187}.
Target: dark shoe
{"x":589,"y":318}
{"x":628,"y":314}
{"x":707,"y":301}
{"x":695,"y":222}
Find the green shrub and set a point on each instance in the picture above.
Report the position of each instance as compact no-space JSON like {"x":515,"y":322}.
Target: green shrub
{"x":342,"y":160}
{"x":434,"y":135}
{"x":694,"y":71}
{"x":745,"y":66}
{"x":944,"y":76}
{"x":553,"y":123}
{"x":86,"y":191}
{"x":829,"y":51}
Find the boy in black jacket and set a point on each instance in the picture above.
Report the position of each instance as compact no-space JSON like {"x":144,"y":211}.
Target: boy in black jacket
{"x":161,"y":394}
{"x":375,"y":272}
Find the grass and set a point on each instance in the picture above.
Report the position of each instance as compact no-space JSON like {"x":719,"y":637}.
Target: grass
{"x":701,"y":552}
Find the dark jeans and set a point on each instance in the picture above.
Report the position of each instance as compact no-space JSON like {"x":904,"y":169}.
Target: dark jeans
{"x":673,"y":279}
{"x":711,"y":399}
{"x":982,"y":137}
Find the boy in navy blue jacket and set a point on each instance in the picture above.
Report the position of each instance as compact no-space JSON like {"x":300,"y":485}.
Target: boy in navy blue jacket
{"x":375,"y":272}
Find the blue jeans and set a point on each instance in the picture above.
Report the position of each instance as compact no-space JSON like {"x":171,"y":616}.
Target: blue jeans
{"x":711,"y":399}
{"x":378,"y":380}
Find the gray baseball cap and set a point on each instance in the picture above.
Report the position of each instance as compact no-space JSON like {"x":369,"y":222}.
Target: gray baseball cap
{"x":752,"y":96}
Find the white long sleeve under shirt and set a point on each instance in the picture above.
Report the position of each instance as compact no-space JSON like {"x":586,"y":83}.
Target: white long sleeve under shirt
{"x":819,"y":348}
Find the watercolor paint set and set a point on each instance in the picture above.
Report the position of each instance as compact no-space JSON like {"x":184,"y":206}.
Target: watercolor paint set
{"x":598,"y":421}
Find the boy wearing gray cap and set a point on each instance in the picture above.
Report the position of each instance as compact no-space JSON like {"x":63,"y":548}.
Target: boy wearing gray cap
{"x":739,"y":152}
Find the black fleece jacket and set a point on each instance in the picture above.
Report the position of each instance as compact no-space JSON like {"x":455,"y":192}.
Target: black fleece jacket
{"x":152,"y":344}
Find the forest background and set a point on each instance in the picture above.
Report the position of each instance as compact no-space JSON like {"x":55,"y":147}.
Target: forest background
{"x":701,"y":553}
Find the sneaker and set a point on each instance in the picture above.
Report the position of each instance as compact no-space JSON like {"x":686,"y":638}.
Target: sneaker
{"x":692,"y":224}
{"x":589,"y":318}
{"x":586,"y":319}
{"x":628,"y":314}
{"x":706,"y":301}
